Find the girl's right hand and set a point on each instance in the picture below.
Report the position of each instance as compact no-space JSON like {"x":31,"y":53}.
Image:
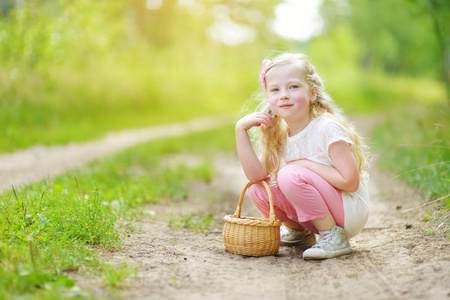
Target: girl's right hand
{"x":252,"y":166}
{"x":255,"y":119}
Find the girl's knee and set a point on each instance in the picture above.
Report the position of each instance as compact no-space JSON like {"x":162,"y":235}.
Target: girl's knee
{"x":257,"y":193}
{"x":292,"y":175}
{"x":259,"y":196}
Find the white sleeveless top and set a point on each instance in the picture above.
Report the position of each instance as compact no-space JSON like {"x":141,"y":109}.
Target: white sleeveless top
{"x":312,"y":143}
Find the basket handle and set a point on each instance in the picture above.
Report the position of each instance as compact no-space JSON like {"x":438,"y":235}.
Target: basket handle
{"x":272,"y":210}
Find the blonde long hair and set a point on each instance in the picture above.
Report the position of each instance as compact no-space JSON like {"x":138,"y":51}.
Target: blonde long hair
{"x":272,"y":140}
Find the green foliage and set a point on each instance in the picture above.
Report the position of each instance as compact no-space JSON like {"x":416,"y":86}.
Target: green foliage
{"x":67,"y":216}
{"x":359,"y":91}
{"x":196,"y":221}
{"x":426,"y":217}
{"x":115,"y":277}
{"x":32,"y":112}
{"x":74,"y":70}
{"x":397,"y":37}
{"x":61,"y":31}
{"x":414,"y":141}
{"x":48,"y":233}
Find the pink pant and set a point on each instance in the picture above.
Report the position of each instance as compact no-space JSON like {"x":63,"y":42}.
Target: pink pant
{"x":301,"y":196}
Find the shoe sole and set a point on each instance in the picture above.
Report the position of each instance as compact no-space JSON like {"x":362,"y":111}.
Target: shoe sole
{"x":290,"y":242}
{"x":325,"y":255}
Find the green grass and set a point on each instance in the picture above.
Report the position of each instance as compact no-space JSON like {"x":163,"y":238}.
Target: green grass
{"x":79,"y":105}
{"x":115,"y":276}
{"x":197,"y":221}
{"x":414,"y":143}
{"x":56,"y":227}
{"x":376,"y":91}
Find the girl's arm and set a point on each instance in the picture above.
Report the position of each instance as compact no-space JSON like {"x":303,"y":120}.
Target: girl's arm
{"x":345,"y":175}
{"x":251,"y":165}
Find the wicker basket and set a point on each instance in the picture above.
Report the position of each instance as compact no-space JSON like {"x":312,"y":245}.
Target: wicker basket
{"x":252,"y":236}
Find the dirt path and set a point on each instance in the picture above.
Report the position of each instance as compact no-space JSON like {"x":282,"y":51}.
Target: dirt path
{"x":38,"y":162}
{"x":392,"y":259}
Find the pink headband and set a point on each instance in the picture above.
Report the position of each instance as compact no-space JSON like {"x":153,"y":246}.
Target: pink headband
{"x":262,"y":77}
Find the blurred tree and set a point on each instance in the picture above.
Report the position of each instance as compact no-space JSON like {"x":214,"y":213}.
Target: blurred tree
{"x":147,"y":50}
{"x":5,"y":6}
{"x":440,"y":15}
{"x":77,"y":32}
{"x":168,"y":22}
{"x":60,"y":31}
{"x":399,"y":37}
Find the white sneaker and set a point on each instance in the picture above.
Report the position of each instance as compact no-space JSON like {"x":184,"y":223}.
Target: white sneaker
{"x":303,"y":238}
{"x":332,"y":243}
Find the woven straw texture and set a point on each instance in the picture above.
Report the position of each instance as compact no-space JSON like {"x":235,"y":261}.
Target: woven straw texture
{"x":252,"y":236}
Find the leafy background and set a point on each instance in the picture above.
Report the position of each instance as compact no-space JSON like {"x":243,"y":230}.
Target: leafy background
{"x":75,"y":70}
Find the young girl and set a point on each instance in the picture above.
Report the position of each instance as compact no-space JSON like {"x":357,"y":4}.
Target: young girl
{"x":312,"y":157}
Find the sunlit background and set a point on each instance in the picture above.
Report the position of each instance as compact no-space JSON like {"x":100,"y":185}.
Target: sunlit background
{"x":74,"y":70}
{"x":299,"y":20}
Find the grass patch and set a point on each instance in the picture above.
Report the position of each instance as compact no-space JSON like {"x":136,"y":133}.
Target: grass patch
{"x":414,"y":142}
{"x":56,"y":227}
{"x":56,"y":110}
{"x":115,"y":276}
{"x":46,"y":235}
{"x":197,"y":221}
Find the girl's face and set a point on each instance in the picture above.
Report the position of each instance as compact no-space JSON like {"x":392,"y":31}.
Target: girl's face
{"x":290,"y":95}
